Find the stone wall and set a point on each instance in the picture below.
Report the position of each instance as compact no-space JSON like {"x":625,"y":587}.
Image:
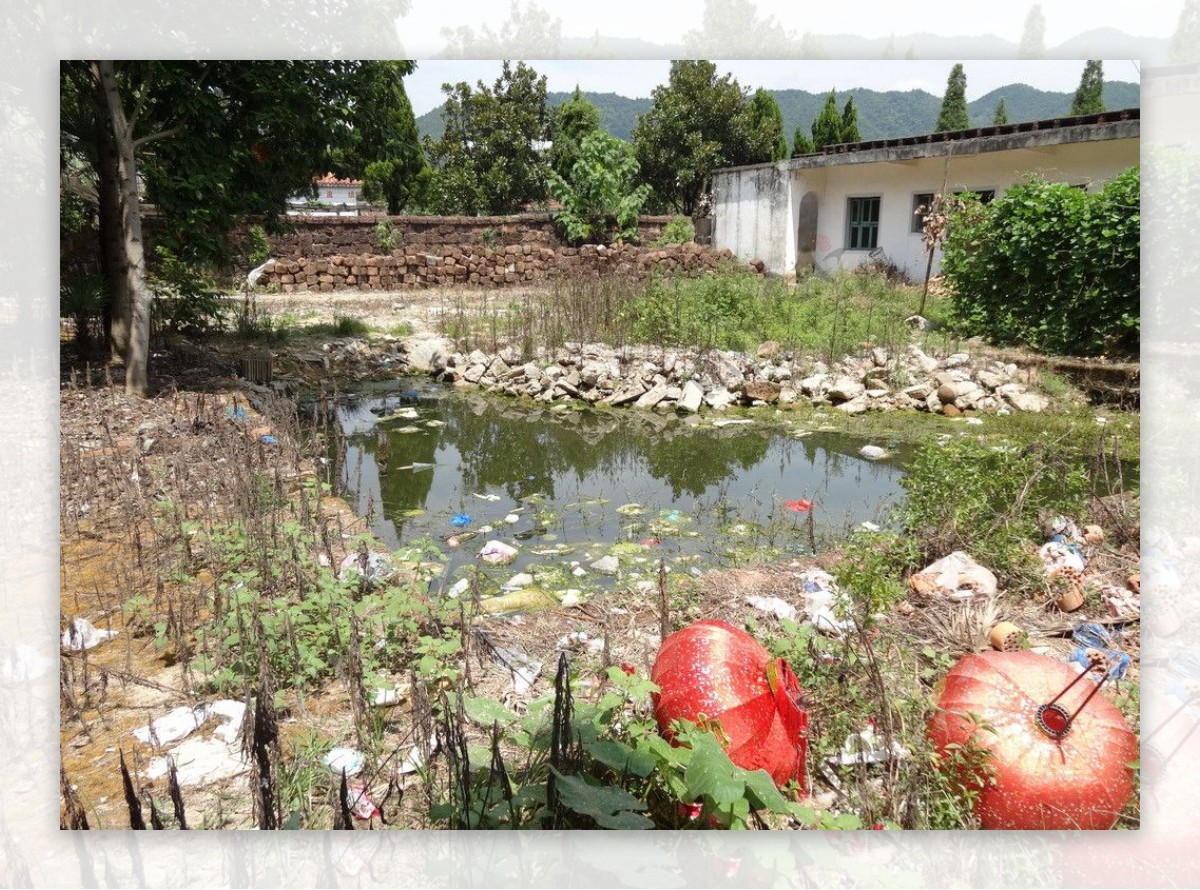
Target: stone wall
{"x":452,"y":263}
{"x":322,"y":237}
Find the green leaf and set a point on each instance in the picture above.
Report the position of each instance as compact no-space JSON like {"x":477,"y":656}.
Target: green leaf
{"x":622,"y":758}
{"x":711,"y":773}
{"x":603,"y":803}
{"x":486,"y":711}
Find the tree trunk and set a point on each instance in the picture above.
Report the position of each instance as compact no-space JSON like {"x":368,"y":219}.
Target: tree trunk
{"x":116,"y":310}
{"x":132,"y":272}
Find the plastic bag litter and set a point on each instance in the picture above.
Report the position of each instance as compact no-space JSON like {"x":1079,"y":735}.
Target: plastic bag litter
{"x":866,"y":747}
{"x":1096,"y":636}
{"x":581,"y":640}
{"x":344,"y":759}
{"x":773,"y":605}
{"x":523,"y":669}
{"x":359,"y":802}
{"x":820,"y":598}
{"x":82,"y":634}
{"x":1058,"y":553}
{"x":183,"y":721}
{"x":379,"y":568}
{"x":873,"y":452}
{"x":200,"y":761}
{"x":497,"y":553}
{"x":956,"y":576}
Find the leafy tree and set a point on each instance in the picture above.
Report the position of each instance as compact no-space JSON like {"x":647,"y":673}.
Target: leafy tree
{"x":386,"y":151}
{"x":600,"y":200}
{"x":697,"y":123}
{"x":489,"y":158}
{"x":570,"y":124}
{"x":827,"y":128}
{"x":801,"y":144}
{"x":766,"y":122}
{"x":1001,"y":117}
{"x":528,"y":32}
{"x":953,"y":115}
{"x":229,"y":138}
{"x":850,"y":131}
{"x":1033,"y":37}
{"x":1089,"y":96}
{"x":733,"y":29}
{"x":1185,"y":42}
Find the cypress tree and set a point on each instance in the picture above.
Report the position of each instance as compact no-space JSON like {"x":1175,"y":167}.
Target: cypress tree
{"x":954,"y":104}
{"x":850,"y":131}
{"x":801,"y":144}
{"x":827,"y":128}
{"x":1089,"y":97}
{"x":1001,"y":117}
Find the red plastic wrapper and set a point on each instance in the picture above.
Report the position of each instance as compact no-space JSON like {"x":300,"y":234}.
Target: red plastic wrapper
{"x":712,"y":673}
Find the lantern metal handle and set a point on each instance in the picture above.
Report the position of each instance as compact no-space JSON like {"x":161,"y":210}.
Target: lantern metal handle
{"x":1052,"y":718}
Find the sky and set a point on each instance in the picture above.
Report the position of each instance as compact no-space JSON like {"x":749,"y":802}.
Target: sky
{"x":666,"y":22}
{"x":638,"y":78}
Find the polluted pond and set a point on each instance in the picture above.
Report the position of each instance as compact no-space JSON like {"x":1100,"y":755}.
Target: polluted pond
{"x":536,"y":506}
{"x":413,"y":606}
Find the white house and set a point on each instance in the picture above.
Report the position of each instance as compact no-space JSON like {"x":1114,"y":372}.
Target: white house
{"x":836,"y":208}
{"x":331,"y":191}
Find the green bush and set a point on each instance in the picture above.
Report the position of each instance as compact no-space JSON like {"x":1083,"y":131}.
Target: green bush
{"x":260,"y":247}
{"x":186,"y":300}
{"x":384,"y":234}
{"x":680,"y":230}
{"x":1051,"y":267}
{"x":991,"y":501}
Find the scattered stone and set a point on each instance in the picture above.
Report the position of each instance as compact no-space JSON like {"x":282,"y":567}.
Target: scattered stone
{"x":608,"y":565}
{"x":761,"y":390}
{"x":692,"y":396}
{"x":845,"y":389}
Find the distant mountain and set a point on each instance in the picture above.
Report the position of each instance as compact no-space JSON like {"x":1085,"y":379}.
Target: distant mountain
{"x":881,"y":115}
{"x":618,"y":114}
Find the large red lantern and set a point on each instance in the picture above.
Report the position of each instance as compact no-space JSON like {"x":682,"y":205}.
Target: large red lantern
{"x":711,"y":672}
{"x":1060,"y":752}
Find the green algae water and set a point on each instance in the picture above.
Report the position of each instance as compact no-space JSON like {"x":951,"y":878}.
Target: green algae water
{"x":581,"y":498}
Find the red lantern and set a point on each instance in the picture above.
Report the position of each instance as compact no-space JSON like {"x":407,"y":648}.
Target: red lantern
{"x":1060,"y":753}
{"x":712,"y":672}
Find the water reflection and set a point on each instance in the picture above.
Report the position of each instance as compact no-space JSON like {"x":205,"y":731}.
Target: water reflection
{"x":419,"y":454}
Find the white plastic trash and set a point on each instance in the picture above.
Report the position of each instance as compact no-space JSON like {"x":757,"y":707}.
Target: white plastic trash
{"x":773,"y":605}
{"x":1058,"y":556}
{"x":956,"y":576}
{"x":345,"y":759}
{"x":497,"y":553}
{"x":82,"y":634}
{"x":873,"y":452}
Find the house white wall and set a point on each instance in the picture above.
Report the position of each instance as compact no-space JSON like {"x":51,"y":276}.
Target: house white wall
{"x":755,"y":208}
{"x":759,"y":211}
{"x":897,"y":183}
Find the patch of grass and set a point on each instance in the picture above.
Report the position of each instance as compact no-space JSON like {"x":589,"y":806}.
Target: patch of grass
{"x":402,"y":329}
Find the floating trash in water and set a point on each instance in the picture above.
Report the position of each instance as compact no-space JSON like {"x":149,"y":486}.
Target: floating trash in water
{"x":460,"y":520}
{"x":798,"y":506}
{"x":512,"y":518}
{"x":497,"y":553}
{"x":873,"y":452}
{"x":670,"y":515}
{"x":631,"y":509}
{"x":435,"y":423}
{"x":651,"y":542}
{"x":870,"y":526}
{"x":487,"y":497}
{"x":407,"y":430}
{"x":458,"y":588}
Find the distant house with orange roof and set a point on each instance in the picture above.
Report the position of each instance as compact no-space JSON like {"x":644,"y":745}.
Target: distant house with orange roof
{"x":331,"y":191}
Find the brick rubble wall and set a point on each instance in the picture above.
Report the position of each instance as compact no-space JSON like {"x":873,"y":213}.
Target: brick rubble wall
{"x":320,"y":237}
{"x":473,"y":264}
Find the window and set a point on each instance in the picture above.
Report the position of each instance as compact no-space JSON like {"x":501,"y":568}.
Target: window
{"x":921,"y":203}
{"x":925,"y":199}
{"x":863,"y":229}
